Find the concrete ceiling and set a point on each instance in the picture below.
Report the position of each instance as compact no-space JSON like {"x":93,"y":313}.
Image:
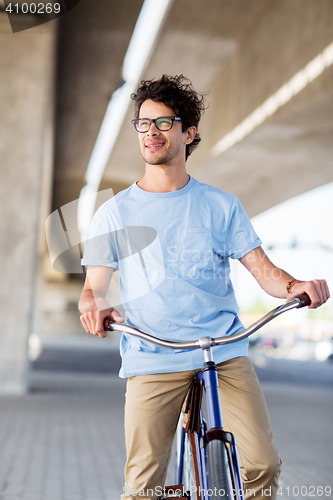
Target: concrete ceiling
{"x":93,"y":39}
{"x":238,"y":53}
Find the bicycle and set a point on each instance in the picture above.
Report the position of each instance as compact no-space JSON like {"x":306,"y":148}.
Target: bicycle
{"x":206,"y":457}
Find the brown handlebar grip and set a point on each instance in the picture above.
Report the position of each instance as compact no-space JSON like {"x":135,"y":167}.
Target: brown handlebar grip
{"x":304,"y":300}
{"x":108,"y":324}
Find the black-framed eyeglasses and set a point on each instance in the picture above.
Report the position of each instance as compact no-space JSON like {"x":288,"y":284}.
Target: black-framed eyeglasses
{"x":162,"y":123}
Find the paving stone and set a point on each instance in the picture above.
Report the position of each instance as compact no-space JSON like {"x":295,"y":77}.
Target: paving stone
{"x":64,"y":440}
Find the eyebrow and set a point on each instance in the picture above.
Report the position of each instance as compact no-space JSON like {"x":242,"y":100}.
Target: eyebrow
{"x":163,"y":116}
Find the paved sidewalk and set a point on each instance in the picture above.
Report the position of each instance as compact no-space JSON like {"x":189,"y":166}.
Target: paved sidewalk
{"x":64,"y":440}
{"x":302,"y":423}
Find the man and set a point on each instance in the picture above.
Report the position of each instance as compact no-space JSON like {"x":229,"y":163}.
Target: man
{"x":189,"y":293}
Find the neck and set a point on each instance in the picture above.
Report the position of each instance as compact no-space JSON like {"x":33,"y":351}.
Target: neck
{"x":163,"y":179}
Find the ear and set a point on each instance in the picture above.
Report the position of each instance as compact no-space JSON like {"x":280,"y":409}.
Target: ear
{"x":190,"y":134}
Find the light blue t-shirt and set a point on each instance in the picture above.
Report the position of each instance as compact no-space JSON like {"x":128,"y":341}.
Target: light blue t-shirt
{"x":172,"y":251}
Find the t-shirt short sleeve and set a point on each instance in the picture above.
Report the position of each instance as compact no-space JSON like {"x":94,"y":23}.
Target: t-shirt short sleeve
{"x":101,"y":247}
{"x":242,"y":238}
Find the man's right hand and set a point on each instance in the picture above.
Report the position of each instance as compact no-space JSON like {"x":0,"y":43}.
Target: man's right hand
{"x":93,"y":321}
{"x":93,"y":305}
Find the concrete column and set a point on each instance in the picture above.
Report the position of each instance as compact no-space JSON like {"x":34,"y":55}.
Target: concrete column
{"x":27,"y":61}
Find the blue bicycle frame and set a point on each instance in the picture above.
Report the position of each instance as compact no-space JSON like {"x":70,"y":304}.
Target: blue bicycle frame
{"x":208,"y":378}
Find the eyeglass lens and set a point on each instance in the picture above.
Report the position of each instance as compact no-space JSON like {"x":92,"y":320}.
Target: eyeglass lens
{"x":163,"y":124}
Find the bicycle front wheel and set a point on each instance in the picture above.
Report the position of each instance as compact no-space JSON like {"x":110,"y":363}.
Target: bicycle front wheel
{"x":218,"y":470}
{"x":191,"y":469}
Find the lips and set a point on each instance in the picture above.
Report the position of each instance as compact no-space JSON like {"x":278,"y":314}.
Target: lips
{"x":154,"y":145}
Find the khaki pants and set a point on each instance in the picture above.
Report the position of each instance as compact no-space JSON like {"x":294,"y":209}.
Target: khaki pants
{"x":153,"y":404}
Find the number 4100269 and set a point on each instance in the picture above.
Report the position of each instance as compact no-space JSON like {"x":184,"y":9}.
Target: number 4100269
{"x":34,"y":8}
{"x":305,"y":491}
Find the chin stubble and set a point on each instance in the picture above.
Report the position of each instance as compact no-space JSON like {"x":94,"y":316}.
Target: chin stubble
{"x":166,"y":158}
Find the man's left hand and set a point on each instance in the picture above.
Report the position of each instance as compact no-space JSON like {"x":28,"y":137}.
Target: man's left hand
{"x":317,"y":290}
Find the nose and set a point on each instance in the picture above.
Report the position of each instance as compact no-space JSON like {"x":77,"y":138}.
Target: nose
{"x":153,"y":130}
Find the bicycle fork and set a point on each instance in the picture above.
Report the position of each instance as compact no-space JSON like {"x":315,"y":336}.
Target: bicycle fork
{"x":208,"y":377}
{"x":199,"y":435}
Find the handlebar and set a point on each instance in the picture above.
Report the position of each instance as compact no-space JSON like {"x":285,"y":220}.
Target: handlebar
{"x":207,"y":342}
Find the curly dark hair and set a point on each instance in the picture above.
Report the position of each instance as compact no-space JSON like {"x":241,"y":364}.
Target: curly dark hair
{"x":177,"y":93}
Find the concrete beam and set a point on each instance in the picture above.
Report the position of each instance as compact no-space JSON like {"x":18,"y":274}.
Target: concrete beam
{"x":26,"y":95}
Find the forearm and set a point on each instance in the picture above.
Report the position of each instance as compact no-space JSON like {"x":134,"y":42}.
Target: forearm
{"x":93,"y":296}
{"x":91,"y":301}
{"x":273,"y":280}
{"x":279,"y":283}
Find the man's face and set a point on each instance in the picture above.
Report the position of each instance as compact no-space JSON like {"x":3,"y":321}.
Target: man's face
{"x":161,"y":148}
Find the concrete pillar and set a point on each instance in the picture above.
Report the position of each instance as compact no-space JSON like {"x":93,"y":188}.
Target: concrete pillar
{"x":27,"y":61}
